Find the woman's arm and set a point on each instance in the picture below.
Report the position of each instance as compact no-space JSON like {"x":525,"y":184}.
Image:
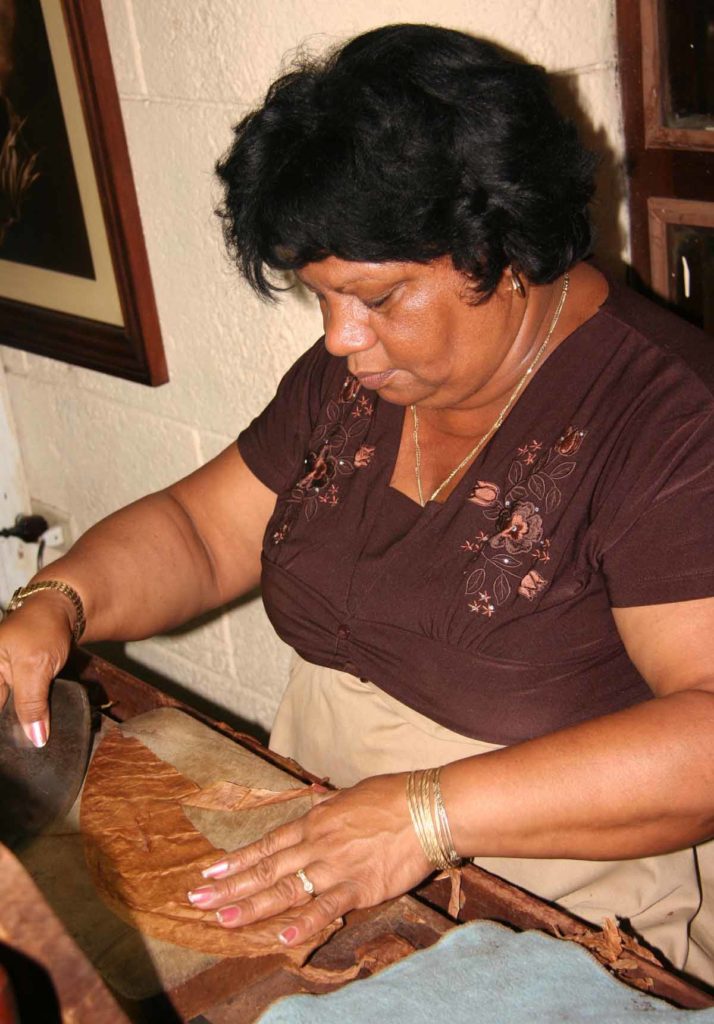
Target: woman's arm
{"x":151,"y":566}
{"x":172,"y":555}
{"x":631,"y":784}
{"x":634,"y":783}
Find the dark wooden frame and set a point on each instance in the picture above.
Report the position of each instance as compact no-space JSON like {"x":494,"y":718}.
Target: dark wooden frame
{"x":662,"y":212}
{"x":134,"y":350}
{"x":657,"y":132}
{"x":655,"y":167}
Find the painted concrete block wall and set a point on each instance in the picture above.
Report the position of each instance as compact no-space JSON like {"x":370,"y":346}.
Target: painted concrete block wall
{"x":186,"y":70}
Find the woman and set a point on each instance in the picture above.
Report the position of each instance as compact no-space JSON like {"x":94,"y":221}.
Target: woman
{"x":477,"y":503}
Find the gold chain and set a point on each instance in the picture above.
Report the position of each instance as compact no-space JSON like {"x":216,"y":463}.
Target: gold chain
{"x":514,"y":396}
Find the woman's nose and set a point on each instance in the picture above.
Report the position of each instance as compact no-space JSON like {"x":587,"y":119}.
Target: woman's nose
{"x":347,"y":329}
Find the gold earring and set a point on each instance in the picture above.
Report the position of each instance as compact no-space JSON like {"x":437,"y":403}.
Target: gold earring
{"x":516,"y":283}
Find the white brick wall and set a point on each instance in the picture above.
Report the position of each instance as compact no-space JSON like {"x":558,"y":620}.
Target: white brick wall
{"x":186,"y":70}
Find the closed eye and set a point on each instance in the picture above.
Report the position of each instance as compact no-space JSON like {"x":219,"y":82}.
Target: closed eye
{"x":376,"y":303}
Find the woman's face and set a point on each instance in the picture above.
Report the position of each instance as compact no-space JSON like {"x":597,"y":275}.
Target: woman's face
{"x":409,"y":331}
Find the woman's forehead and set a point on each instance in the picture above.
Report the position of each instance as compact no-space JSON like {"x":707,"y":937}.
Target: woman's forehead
{"x":345,"y":275}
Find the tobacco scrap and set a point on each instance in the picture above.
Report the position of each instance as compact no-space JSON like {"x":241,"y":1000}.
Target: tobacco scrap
{"x":455,"y":898}
{"x":376,"y":954}
{"x":382,"y":951}
{"x":611,"y":946}
{"x":143,"y":854}
{"x":454,"y":908}
{"x":326,"y":976}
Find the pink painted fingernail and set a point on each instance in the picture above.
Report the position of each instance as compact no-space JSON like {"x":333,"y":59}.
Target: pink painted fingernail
{"x":202,"y":895}
{"x":229,"y":915}
{"x":38,"y":733}
{"x":216,"y":870}
{"x":288,"y":935}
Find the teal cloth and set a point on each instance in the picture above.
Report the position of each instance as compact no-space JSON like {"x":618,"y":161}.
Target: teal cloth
{"x":484,"y":973}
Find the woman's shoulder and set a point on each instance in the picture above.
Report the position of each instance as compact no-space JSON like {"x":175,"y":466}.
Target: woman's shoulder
{"x":672,"y":344}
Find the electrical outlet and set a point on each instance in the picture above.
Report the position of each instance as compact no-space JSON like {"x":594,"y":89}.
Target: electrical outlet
{"x":61,"y":532}
{"x":54,"y":537}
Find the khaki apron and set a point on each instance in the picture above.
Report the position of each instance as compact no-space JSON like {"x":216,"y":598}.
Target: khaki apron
{"x":338,"y":726}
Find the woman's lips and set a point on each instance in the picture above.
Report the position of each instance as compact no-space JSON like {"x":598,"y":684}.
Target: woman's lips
{"x":373,"y":381}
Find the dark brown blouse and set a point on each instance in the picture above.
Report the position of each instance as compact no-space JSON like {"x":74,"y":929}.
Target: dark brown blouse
{"x":490,"y":613}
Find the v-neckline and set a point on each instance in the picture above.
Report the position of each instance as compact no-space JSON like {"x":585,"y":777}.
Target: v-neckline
{"x":398,"y":414}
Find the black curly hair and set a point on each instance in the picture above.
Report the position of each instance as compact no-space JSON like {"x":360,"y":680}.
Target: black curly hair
{"x":408,"y":143}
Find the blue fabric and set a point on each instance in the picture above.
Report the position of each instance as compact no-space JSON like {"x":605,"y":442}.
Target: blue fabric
{"x":484,"y":973}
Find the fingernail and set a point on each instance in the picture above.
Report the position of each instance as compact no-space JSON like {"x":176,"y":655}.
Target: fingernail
{"x":202,"y":895}
{"x":216,"y":870}
{"x":319,"y":788}
{"x":288,"y":935}
{"x":38,"y":733}
{"x":229,"y":915}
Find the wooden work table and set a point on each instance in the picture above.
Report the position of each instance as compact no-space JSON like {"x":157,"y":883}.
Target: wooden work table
{"x":54,"y":983}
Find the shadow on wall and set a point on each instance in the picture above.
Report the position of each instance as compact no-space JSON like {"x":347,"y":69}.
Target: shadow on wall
{"x":610,"y":193}
{"x":115,"y":652}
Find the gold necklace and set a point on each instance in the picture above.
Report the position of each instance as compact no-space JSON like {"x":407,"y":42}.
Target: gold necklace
{"x":513,"y":398}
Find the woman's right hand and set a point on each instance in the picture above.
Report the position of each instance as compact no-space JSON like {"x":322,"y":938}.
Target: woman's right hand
{"x":35,"y":642}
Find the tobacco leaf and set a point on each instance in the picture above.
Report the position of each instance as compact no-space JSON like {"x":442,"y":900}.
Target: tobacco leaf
{"x":144,"y":854}
{"x":230,"y":796}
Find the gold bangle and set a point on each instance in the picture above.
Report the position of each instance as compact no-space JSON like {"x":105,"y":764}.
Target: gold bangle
{"x":444,"y":829}
{"x":417,"y":801}
{"x":22,"y":593}
{"x":429,"y":818}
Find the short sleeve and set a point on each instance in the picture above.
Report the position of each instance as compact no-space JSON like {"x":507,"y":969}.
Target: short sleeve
{"x":658,"y":544}
{"x":274,"y":444}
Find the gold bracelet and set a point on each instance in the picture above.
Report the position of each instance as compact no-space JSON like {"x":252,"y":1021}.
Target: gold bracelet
{"x":417,"y":801}
{"x":22,"y":593}
{"x":444,"y":829}
{"x":429,"y":818}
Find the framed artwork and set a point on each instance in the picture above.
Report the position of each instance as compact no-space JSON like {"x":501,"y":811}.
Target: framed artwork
{"x":74,"y":274}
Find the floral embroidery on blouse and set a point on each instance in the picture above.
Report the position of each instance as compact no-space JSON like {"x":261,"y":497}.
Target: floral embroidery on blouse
{"x":516,"y":541}
{"x":335,"y":451}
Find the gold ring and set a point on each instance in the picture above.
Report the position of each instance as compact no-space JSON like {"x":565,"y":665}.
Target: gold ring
{"x":306,"y":883}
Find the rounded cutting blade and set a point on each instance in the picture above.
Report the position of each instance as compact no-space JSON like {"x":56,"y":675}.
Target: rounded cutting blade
{"x":39,"y":786}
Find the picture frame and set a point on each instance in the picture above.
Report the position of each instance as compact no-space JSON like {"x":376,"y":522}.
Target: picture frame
{"x":656,"y":87}
{"x":74,"y":282}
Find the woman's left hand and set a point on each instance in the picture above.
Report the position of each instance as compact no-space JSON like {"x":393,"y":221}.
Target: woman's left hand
{"x":357,"y":847}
